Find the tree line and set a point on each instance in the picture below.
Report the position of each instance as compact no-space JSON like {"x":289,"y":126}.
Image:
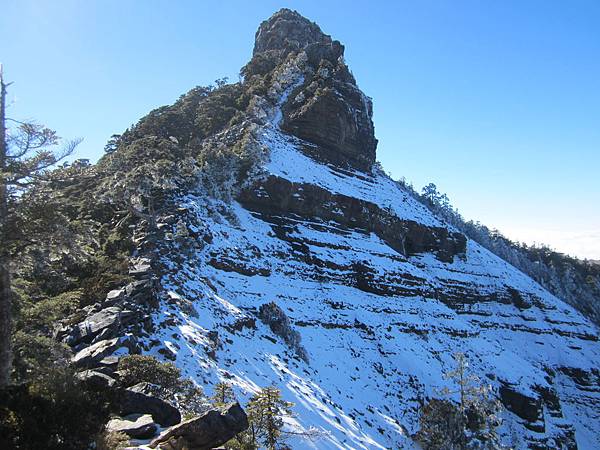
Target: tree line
{"x":575,"y":281}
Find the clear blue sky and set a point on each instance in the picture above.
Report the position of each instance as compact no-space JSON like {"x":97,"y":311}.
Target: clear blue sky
{"x":497,"y":102}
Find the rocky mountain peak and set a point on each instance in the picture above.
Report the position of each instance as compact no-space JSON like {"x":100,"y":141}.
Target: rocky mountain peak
{"x":287,"y":30}
{"x":326,"y":109}
{"x":273,"y":245}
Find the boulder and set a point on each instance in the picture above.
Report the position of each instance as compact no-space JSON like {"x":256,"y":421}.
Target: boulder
{"x":92,"y":355}
{"x":114,"y":296}
{"x":143,"y":399}
{"x":96,"y":379}
{"x":109,"y":363}
{"x":140,"y":426}
{"x":141,"y":291}
{"x":141,"y":268}
{"x":205,"y":432}
{"x":139,"y":287}
{"x":100,"y":325}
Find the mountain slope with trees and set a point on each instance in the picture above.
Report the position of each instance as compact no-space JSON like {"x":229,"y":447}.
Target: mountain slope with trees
{"x":243,"y":241}
{"x":575,"y":281}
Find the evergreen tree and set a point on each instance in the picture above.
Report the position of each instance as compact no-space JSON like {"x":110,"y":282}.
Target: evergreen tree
{"x":26,"y":154}
{"x":468,"y":424}
{"x":223,"y":394}
{"x":266,"y":411}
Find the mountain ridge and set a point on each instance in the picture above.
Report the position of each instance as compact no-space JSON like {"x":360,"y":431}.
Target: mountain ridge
{"x":266,"y":192}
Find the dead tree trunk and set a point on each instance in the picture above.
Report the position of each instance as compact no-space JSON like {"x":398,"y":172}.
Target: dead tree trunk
{"x":5,"y":290}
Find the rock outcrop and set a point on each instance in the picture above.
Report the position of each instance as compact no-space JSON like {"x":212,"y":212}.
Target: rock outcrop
{"x":139,"y":426}
{"x":142,"y":399}
{"x":206,"y":432}
{"x":278,"y":197}
{"x":327,"y":109}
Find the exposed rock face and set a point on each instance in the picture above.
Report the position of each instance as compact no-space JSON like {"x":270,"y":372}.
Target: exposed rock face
{"x":278,"y":197}
{"x":287,"y":31}
{"x":330,"y":111}
{"x":91,"y":356}
{"x":135,"y":425}
{"x":526,"y":407}
{"x":206,"y":432}
{"x":327,"y":109}
{"x":107,"y":322}
{"x":141,"y":399}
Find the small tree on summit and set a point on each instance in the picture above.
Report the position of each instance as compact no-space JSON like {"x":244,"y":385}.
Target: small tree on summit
{"x":431,"y":194}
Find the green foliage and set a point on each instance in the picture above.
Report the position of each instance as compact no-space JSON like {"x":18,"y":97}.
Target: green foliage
{"x":35,"y":354}
{"x":266,"y":411}
{"x":35,"y":316}
{"x":43,"y":314}
{"x":202,"y":112}
{"x":136,"y":369}
{"x":469,"y":423}
{"x":52,"y":412}
{"x":113,"y":143}
{"x":219,"y":109}
{"x":260,"y":64}
{"x":189,"y":398}
{"x":223,"y":394}
{"x":439,"y":425}
{"x":99,"y":274}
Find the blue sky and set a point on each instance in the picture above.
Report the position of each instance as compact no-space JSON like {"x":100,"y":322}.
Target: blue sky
{"x":498,"y":103}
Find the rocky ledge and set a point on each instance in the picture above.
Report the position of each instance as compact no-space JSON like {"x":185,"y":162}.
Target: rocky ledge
{"x":277,"y":196}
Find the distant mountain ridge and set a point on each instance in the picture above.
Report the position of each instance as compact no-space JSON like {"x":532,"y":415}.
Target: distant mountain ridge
{"x":575,"y":281}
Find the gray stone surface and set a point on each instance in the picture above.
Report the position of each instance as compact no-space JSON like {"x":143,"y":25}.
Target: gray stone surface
{"x":205,"y":432}
{"x":140,"y":426}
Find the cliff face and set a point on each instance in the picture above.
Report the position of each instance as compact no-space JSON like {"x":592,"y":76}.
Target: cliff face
{"x":378,"y":291}
{"x":326,"y":108}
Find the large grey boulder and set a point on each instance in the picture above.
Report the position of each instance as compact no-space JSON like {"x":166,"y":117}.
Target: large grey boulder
{"x":143,"y":399}
{"x":140,"y":426}
{"x":92,"y":355}
{"x":99,"y":325}
{"x":205,"y":432}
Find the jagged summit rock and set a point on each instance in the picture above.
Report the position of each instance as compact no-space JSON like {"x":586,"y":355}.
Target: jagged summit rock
{"x":326,"y":108}
{"x":288,"y":30}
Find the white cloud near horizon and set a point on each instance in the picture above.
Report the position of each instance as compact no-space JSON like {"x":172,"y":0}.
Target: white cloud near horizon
{"x":584,"y":244}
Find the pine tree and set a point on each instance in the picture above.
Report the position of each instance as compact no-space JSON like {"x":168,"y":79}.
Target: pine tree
{"x":266,"y":411}
{"x":223,"y":394}
{"x":26,"y":154}
{"x":469,"y":423}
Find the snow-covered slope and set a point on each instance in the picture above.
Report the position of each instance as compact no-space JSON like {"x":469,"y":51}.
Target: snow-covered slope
{"x":375,"y":294}
{"x":379,"y":325}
